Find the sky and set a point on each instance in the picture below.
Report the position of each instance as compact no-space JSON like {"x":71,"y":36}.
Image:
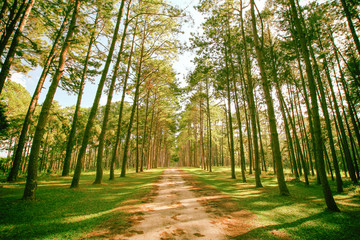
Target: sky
{"x":182,"y":66}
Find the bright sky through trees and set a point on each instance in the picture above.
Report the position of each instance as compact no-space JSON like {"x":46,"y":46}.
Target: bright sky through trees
{"x":182,"y":65}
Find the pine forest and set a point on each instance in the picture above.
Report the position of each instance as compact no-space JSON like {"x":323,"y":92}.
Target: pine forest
{"x":179,"y":119}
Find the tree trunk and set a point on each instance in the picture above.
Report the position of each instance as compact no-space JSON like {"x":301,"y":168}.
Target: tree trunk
{"x":209,"y":125}
{"x":231,"y":133}
{"x":90,"y":122}
{"x":318,"y":151}
{"x":327,"y":121}
{"x":11,"y":23}
{"x":346,"y":147}
{"x":99,"y":159}
{"x":260,"y":141}
{"x":242,"y":154}
{"x":4,"y":9}
{"x":351,"y":25}
{"x":137,"y":139}
{"x":30,"y":112}
{"x":309,"y":110}
{"x":137,"y":87}
{"x":251,"y":103}
{"x":287,"y":130}
{"x":5,"y":68}
{"x":71,"y":139}
{"x":143,"y":150}
{"x":275,"y":144}
{"x":119,"y":123}
{"x":31,"y":180}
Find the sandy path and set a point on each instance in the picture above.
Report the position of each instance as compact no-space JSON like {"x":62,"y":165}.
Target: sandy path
{"x":175,"y":213}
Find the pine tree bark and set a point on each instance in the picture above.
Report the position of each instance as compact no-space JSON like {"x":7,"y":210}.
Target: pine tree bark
{"x":327,"y":121}
{"x":90,"y":122}
{"x":241,"y":142}
{"x":9,"y":27}
{"x":231,"y":133}
{"x":71,"y":139}
{"x":99,"y":159}
{"x":351,"y":25}
{"x":137,"y":87}
{"x":318,"y":151}
{"x":31,"y":180}
{"x":143,"y":151}
{"x":5,"y":68}
{"x":253,"y":141}
{"x":287,"y":130}
{"x":137,"y":139}
{"x":275,"y":144}
{"x":119,"y":123}
{"x":32,"y":106}
{"x":209,"y":125}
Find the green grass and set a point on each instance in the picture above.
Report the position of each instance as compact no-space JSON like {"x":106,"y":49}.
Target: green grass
{"x":64,"y":213}
{"x":299,"y":216}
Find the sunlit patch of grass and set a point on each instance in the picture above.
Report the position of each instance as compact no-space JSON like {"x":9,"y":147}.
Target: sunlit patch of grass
{"x":301,"y":215}
{"x":63,"y":213}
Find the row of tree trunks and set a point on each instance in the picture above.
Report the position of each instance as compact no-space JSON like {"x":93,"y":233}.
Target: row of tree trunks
{"x":90,"y":122}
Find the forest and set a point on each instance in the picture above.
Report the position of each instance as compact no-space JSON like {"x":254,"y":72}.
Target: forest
{"x":258,"y":139}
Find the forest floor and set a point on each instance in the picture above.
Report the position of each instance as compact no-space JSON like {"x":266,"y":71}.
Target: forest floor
{"x":194,"y":204}
{"x":179,"y":209}
{"x":186,"y":203}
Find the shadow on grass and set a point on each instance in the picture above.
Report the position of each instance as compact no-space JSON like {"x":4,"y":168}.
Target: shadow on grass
{"x":64,"y":213}
{"x":299,"y":216}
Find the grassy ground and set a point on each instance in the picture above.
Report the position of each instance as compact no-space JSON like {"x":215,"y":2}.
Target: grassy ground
{"x":299,"y":216}
{"x":64,"y":213}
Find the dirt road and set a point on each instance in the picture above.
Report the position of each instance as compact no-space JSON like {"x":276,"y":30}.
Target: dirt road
{"x":180,"y":208}
{"x":175,"y":213}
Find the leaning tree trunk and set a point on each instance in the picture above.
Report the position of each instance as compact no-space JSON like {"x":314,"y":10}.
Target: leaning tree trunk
{"x":327,"y":122}
{"x":307,"y":103}
{"x":351,"y":25}
{"x":287,"y":131}
{"x":275,"y":144}
{"x":90,"y":122}
{"x":71,"y":139}
{"x":4,"y":9}
{"x":318,"y":151}
{"x":137,"y":87}
{"x":31,"y":180}
{"x":346,"y":147}
{"x":10,"y":25}
{"x":99,"y":158}
{"x":119,"y":125}
{"x":30,"y":112}
{"x":5,"y":68}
